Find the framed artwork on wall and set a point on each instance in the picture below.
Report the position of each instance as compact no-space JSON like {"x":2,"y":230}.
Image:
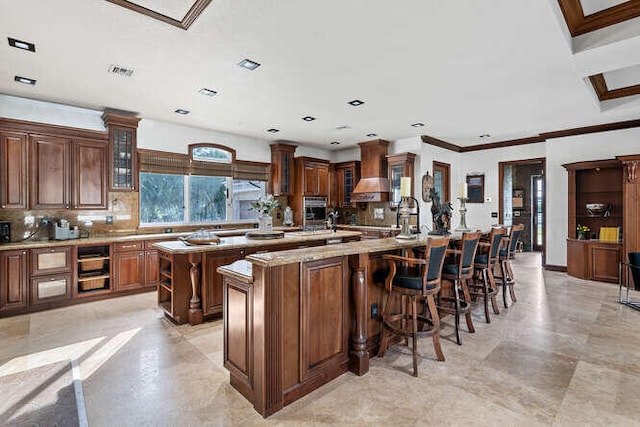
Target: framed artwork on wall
{"x":475,"y":188}
{"x":517,"y":200}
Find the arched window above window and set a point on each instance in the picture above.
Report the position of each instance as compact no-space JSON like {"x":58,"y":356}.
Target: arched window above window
{"x":212,"y":153}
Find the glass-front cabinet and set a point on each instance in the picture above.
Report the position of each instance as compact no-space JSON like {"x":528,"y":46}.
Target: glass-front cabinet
{"x":281,"y":183}
{"x":122,"y":151}
{"x":400,"y":165}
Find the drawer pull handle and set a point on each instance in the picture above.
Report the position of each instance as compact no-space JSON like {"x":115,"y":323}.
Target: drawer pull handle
{"x":128,"y":246}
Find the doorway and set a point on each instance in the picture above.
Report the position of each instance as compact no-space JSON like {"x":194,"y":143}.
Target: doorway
{"x":522,"y":200}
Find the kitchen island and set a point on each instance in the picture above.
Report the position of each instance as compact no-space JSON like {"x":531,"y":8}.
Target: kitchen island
{"x":190,"y":288}
{"x":296,"y":319}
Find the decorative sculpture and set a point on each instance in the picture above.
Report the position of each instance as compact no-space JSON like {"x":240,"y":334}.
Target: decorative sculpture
{"x":441,"y":213}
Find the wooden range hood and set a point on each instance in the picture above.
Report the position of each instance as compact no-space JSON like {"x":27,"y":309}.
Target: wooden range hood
{"x":374,"y":185}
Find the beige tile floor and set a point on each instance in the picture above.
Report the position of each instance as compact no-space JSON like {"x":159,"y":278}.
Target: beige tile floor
{"x":565,"y":354}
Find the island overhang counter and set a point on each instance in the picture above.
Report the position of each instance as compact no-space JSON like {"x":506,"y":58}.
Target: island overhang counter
{"x":296,"y":319}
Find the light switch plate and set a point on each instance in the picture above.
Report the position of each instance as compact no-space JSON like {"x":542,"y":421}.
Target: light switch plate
{"x":378,"y":213}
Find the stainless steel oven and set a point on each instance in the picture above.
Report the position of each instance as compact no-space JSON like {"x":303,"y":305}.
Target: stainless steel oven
{"x":315,"y":211}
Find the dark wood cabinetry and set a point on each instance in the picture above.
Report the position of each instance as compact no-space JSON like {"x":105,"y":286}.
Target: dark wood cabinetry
{"x":129,"y":266}
{"x":312,"y":176}
{"x":51,"y":279}
{"x":89,"y":174}
{"x":14,"y":278}
{"x":399,"y":165}
{"x":13,"y":170}
{"x":123,"y":168}
{"x":347,"y":175}
{"x":151,"y":266}
{"x":281,"y":182}
{"x":594,"y":182}
{"x":212,"y":281}
{"x":94,"y":270}
{"x":50,"y":172}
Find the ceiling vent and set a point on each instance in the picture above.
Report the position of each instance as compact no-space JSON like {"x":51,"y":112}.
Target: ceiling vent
{"x":121,"y":71}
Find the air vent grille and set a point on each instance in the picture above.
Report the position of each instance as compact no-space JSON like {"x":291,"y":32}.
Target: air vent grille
{"x":120,"y":70}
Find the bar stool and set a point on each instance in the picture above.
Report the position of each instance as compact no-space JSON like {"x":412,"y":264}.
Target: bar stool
{"x":414,"y":288}
{"x":507,"y":253}
{"x":459,"y":274}
{"x":485,"y":261}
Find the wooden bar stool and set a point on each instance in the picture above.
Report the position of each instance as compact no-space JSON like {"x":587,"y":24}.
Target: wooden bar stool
{"x":486,"y":260}
{"x":459,"y":273}
{"x":412,"y":289}
{"x":507,"y":253}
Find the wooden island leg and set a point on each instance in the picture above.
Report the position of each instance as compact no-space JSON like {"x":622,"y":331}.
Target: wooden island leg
{"x":195,"y":306}
{"x":359,"y":356}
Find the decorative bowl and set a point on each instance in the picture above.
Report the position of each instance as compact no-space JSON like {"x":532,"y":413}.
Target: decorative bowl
{"x":596,"y":209}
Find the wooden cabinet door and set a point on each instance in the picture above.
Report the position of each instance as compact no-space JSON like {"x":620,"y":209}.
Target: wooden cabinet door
{"x":151,"y":268}
{"x":323,"y":180}
{"x":50,"y":288}
{"x":51,"y":260}
{"x":128,"y":271}
{"x":605,"y":261}
{"x":310,"y":180}
{"x":50,"y":172}
{"x":13,"y":280}
{"x":13,"y":171}
{"x":89,"y":174}
{"x":212,"y":280}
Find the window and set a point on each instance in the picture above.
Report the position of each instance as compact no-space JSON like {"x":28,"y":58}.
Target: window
{"x":206,"y":186}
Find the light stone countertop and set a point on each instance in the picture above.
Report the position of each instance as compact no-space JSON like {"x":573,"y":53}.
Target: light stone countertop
{"x":271,"y":259}
{"x":106,"y":239}
{"x":239,"y":242}
{"x":240,"y":270}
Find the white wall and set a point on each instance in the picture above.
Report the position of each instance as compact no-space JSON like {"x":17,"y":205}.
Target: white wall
{"x":13,"y":107}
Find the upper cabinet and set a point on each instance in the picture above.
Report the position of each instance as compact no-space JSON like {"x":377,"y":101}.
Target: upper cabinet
{"x":282,"y":169}
{"x":400,"y":165}
{"x":123,"y":170}
{"x":312,"y":176}
{"x":52,"y":167}
{"x":13,"y":171}
{"x":347,"y":175}
{"x":50,"y":172}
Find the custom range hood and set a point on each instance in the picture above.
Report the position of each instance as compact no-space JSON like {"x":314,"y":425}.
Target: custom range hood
{"x":374,"y":185}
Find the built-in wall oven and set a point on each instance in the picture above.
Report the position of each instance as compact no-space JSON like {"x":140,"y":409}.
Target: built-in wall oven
{"x":315,"y":211}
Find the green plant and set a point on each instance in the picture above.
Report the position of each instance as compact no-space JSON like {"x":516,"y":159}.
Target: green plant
{"x":264,"y":205}
{"x":582,"y":228}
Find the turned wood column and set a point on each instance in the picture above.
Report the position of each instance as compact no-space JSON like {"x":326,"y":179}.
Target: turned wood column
{"x":359,"y":356}
{"x":195,"y":304}
{"x":631,"y":207}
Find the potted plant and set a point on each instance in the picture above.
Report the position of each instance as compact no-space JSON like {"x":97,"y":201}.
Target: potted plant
{"x":264,"y":205}
{"x":582,"y":231}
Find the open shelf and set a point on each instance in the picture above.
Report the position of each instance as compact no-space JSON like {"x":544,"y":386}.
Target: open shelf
{"x":94,"y":270}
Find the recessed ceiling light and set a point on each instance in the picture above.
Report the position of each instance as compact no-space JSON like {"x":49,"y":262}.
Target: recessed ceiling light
{"x":308,"y":118}
{"x":371,"y":135}
{"x":335,"y":143}
{"x":417,"y":125}
{"x":486,"y":135}
{"x":21,"y":44}
{"x":181,"y":111}
{"x":343,"y":127}
{"x":208,"y":92}
{"x":25,"y":80}
{"x":273,"y":130}
{"x":356,"y":102}
{"x":248,"y":64}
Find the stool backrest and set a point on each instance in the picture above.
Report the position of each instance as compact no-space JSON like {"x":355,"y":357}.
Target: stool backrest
{"x":494,"y":241}
{"x":469,"y":246}
{"x":435,"y":253}
{"x":516,"y":231}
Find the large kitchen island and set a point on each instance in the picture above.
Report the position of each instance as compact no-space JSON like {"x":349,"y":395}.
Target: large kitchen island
{"x":296,"y":319}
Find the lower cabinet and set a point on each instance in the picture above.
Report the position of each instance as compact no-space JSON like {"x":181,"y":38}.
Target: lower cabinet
{"x":14,"y":277}
{"x":56,"y":287}
{"x":593,"y":260}
{"x":128,"y":270}
{"x":212,"y":280}
{"x":151,"y":268}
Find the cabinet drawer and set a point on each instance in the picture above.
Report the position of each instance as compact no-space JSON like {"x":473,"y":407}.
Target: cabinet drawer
{"x":128,"y":246}
{"x":50,"y":260}
{"x":50,"y":288}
